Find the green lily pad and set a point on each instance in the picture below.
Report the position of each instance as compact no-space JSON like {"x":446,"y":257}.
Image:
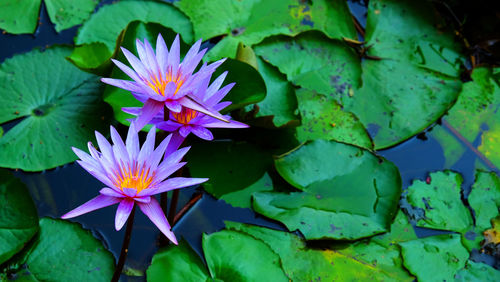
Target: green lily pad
{"x":328,"y":207}
{"x":280,"y":102}
{"x":90,"y":58}
{"x":57,"y":108}
{"x":440,"y":198}
{"x":249,"y":22}
{"x":484,"y":198}
{"x":243,"y":259}
{"x":118,"y":98}
{"x":313,"y":61}
{"x":241,"y":198}
{"x":105,"y":25}
{"x":474,"y":119}
{"x":476,"y":271}
{"x":323,"y":118}
{"x":443,"y":255}
{"x":65,"y":14}
{"x":63,"y":251}
{"x":19,"y":16}
{"x":18,"y":216}
{"x":235,"y":167}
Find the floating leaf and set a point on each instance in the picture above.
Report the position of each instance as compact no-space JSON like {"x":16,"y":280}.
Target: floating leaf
{"x":243,"y":259}
{"x":241,"y":198}
{"x":18,"y":216}
{"x":105,"y":25}
{"x":63,"y":251}
{"x":443,"y":255}
{"x":474,"y":119}
{"x":234,"y":166}
{"x":484,"y":198}
{"x":323,"y":118}
{"x":65,"y":14}
{"x":476,"y":271}
{"x":440,"y":198}
{"x":251,"y":21}
{"x":19,"y":16}
{"x":328,"y":207}
{"x":57,"y":105}
{"x":90,"y":58}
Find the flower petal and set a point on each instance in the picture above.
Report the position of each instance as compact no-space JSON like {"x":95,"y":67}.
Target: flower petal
{"x":128,"y":71}
{"x":188,"y":102}
{"x":177,"y":183}
{"x":147,"y":147}
{"x":184,"y":130}
{"x":162,"y":55}
{"x":174,"y":56}
{"x":135,"y":63}
{"x":220,"y":124}
{"x":202,"y":132}
{"x":98,"y":202}
{"x":132,"y":142}
{"x":173,"y":105}
{"x":130,"y":191}
{"x":119,"y":150}
{"x":124,"y":84}
{"x":111,"y":192}
{"x":122,"y":212}
{"x":154,"y":212}
{"x":149,"y":110}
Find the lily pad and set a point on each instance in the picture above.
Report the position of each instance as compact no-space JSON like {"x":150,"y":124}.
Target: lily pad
{"x":484,"y":198}
{"x":19,"y":16}
{"x":249,"y":22}
{"x":63,"y":251}
{"x":90,"y":58}
{"x":328,"y":206}
{"x":241,"y":198}
{"x":234,"y":167}
{"x":53,"y":109}
{"x":476,"y":271}
{"x":474,"y":120}
{"x":323,"y":118}
{"x":18,"y":216}
{"x":443,"y":255}
{"x":105,"y":25}
{"x":65,"y":14}
{"x":244,"y":259}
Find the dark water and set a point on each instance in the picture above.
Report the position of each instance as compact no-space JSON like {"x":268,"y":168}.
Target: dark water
{"x":59,"y":190}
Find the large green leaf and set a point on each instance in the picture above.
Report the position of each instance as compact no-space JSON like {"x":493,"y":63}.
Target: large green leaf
{"x":323,"y":118}
{"x":117,"y":97}
{"x":484,"y":198}
{"x":63,"y":251}
{"x":328,"y":206}
{"x":313,"y":61}
{"x":18,"y":216}
{"x":105,"y":25}
{"x":476,"y":271}
{"x":250,"y":21}
{"x":440,"y":198}
{"x":436,"y":258}
{"x":232,"y":167}
{"x":241,"y":198}
{"x":19,"y":16}
{"x":230,"y":256}
{"x":66,"y":13}
{"x":93,"y":57}
{"x":57,"y":105}
{"x":474,"y":118}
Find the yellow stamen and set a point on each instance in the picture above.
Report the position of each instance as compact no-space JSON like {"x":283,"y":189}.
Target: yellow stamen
{"x":185,"y":116}
{"x":159,"y":84}
{"x":133,"y":177}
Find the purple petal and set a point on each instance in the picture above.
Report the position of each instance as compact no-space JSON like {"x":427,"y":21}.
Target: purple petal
{"x":220,"y":124}
{"x":190,"y":103}
{"x":124,"y":84}
{"x":98,"y":202}
{"x":128,"y":71}
{"x":155,"y":158}
{"x":170,"y":89}
{"x":142,"y":97}
{"x":150,"y":54}
{"x":143,"y":57}
{"x":173,"y":105}
{"x":214,"y":99}
{"x":163,"y":172}
{"x":84,"y":156}
{"x":154,"y":212}
{"x":111,"y":192}
{"x":97,"y":172}
{"x":132,"y":142}
{"x":202,"y":132}
{"x":184,"y":131}
{"x":169,"y":125}
{"x":177,"y":183}
{"x":145,"y":199}
{"x":119,"y":149}
{"x":135,"y":63}
{"x":130,"y":192}
{"x":147,"y":147}
{"x":174,"y":56}
{"x":122,"y":213}
{"x":175,"y":143}
{"x":132,"y":110}
{"x":162,"y":55}
{"x":215,"y":85}
{"x":149,"y":110}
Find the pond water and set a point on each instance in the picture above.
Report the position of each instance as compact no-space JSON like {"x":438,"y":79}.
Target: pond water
{"x":59,"y":190}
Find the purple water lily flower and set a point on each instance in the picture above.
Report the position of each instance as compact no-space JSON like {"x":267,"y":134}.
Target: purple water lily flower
{"x":191,"y":121}
{"x":133,"y":175}
{"x":160,"y":80}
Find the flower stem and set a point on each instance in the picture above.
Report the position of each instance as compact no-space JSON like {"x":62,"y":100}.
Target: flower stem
{"x":124,"y":251}
{"x":173,"y":206}
{"x":187,"y":207}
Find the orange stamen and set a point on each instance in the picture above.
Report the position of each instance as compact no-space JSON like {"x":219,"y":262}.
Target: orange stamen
{"x":159,"y":84}
{"x":185,"y":116}
{"x":133,"y":177}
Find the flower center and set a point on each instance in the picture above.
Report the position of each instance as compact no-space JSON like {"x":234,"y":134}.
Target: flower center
{"x":159,"y":84}
{"x":139,"y":179}
{"x":185,"y":116}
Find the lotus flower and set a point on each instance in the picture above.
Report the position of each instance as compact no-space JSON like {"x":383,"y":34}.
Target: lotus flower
{"x":191,"y":121}
{"x":133,"y":175}
{"x":160,"y":80}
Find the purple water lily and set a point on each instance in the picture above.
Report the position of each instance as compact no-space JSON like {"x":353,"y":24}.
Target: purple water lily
{"x":133,"y":175}
{"x":161,"y":80}
{"x":190,"y":121}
